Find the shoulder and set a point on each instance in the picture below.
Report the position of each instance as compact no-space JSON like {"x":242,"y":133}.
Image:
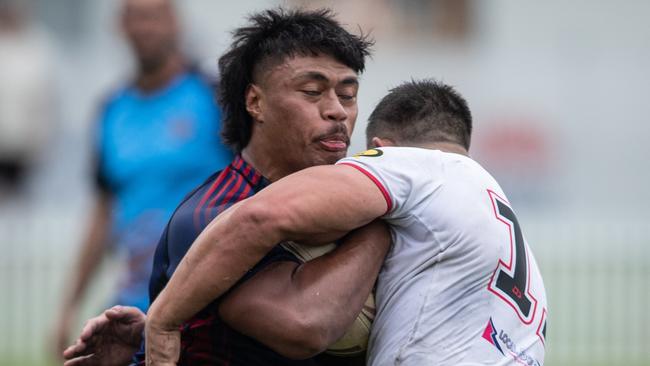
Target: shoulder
{"x":389,"y":158}
{"x":110,"y":101}
{"x":390,"y":153}
{"x":207,"y":183}
{"x":115,"y":95}
{"x":402,"y":174}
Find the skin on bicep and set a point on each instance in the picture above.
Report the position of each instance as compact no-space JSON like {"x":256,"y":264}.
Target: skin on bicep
{"x":255,"y":308}
{"x":260,"y":292}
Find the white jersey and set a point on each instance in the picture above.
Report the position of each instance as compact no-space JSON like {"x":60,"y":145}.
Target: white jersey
{"x":460,"y":285}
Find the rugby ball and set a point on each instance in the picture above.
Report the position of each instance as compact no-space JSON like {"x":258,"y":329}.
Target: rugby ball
{"x":355,"y":340}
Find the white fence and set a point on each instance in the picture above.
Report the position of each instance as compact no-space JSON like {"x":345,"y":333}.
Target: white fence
{"x":36,"y":252}
{"x":597,"y":279}
{"x":597,"y":275}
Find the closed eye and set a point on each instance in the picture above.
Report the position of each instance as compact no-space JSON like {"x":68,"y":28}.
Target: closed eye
{"x":346,"y":96}
{"x":311,"y":93}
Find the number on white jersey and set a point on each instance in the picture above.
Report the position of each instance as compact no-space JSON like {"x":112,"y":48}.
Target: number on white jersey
{"x":510,"y":281}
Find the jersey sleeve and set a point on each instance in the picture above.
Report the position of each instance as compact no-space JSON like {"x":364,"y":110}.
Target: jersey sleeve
{"x":395,"y":172}
{"x":277,"y":254}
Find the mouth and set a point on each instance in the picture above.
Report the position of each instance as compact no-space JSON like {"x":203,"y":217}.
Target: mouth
{"x":334,"y":143}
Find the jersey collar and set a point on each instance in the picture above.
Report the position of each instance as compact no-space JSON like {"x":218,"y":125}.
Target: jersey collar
{"x":254,"y":178}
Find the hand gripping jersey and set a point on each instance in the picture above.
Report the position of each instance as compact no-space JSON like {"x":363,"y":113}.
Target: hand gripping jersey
{"x":460,"y":285}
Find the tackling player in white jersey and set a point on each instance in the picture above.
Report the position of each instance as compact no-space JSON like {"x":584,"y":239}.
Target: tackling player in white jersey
{"x":459,"y":275}
{"x":460,"y":285}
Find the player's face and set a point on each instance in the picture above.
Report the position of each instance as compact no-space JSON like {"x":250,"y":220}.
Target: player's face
{"x":151,"y":29}
{"x":308,"y":107}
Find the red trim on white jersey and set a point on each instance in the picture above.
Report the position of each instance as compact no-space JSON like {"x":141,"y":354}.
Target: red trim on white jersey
{"x":542,"y":323}
{"x":384,"y":191}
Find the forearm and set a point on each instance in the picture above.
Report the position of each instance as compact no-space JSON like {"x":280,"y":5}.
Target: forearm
{"x":213,"y":264}
{"x":298,"y":310}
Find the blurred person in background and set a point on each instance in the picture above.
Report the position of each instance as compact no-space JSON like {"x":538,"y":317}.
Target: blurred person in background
{"x":156,"y":139}
{"x":26,"y":95}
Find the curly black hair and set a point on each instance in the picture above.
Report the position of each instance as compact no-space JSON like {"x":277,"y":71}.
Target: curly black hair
{"x":274,"y":35}
{"x":420,"y":112}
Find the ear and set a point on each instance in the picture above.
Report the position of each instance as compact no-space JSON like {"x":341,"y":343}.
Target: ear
{"x":254,"y":102}
{"x":381,"y":142}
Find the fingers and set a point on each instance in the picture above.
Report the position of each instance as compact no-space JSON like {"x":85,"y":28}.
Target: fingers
{"x":111,"y":322}
{"x":80,"y":361}
{"x":99,"y":323}
{"x":75,"y":350}
{"x":93,"y":326}
{"x":117,"y":312}
{"x":124,"y":313}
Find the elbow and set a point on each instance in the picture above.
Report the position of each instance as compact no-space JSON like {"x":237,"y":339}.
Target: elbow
{"x":302,"y":332}
{"x":306,"y":337}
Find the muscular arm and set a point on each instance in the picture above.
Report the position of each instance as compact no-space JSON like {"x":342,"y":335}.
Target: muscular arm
{"x":321,"y":202}
{"x":300,"y":309}
{"x":295,"y":309}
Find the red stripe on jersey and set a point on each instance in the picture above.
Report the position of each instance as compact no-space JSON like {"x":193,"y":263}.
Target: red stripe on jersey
{"x":542,"y":324}
{"x":247,"y":171}
{"x":238,"y":162}
{"x":246,"y":192}
{"x":384,"y":191}
{"x":217,"y":182}
{"x":221,"y":191}
{"x":238,"y":185}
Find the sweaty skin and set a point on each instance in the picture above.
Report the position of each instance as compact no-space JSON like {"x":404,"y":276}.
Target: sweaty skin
{"x":318,"y":204}
{"x":315,"y":301}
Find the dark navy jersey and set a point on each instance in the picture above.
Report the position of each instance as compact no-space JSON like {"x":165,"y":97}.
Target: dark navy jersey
{"x":206,"y":339}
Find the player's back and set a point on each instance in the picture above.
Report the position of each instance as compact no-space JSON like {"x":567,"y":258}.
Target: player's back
{"x":460,"y":285}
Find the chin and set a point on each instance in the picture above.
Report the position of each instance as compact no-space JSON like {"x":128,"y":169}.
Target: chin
{"x":324,"y":159}
{"x":333,"y":160}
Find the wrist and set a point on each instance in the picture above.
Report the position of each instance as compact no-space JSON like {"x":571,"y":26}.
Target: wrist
{"x":158,"y":320}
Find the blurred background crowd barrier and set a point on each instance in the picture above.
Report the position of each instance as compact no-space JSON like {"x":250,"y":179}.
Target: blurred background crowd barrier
{"x":559,"y":96}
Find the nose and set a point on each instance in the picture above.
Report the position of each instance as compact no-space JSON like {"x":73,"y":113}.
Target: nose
{"x":332,"y":108}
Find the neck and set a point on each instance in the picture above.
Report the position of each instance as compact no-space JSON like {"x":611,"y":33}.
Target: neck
{"x":152,"y":79}
{"x":448,"y":147}
{"x":264,"y":162}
